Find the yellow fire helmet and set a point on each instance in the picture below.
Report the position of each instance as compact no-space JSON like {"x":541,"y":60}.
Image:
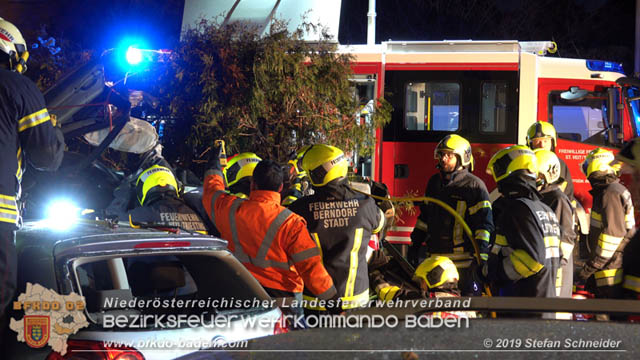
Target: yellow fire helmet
{"x":548,"y":165}
{"x":630,"y":154}
{"x":294,"y":159}
{"x":240,"y":166}
{"x":459,"y":146}
{"x":541,"y":129}
{"x":513,"y":158}
{"x":436,"y":271}
{"x":12,"y":43}
{"x":155,"y":178}
{"x":324,"y":163}
{"x":599,"y":159}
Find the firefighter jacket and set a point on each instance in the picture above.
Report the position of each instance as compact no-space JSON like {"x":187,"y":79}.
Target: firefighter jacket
{"x":468,"y":195}
{"x":168,"y":211}
{"x":525,"y":254}
{"x":558,"y":201}
{"x":342,"y":221}
{"x":389,"y":281}
{"x":567,"y":184}
{"x":611,"y":226}
{"x":27,"y":133}
{"x":268,"y":239}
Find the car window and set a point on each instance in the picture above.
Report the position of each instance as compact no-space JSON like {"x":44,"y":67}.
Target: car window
{"x":218,"y":282}
{"x":583,"y":120}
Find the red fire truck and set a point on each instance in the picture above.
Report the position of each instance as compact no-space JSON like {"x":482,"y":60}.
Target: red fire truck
{"x":489,"y":92}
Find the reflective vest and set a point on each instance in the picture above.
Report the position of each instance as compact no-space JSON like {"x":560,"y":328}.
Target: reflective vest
{"x":269,"y":240}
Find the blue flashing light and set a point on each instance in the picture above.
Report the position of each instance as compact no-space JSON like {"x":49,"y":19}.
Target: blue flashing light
{"x":133,"y":56}
{"x":598,"y":65}
{"x":130,"y":54}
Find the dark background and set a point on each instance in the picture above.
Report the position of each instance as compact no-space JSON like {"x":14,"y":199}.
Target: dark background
{"x":595,"y":29}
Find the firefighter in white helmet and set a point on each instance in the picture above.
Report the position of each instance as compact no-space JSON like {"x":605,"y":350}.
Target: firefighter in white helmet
{"x":552,"y":195}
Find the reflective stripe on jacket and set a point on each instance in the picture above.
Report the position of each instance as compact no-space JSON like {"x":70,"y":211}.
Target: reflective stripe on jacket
{"x":270,"y":241}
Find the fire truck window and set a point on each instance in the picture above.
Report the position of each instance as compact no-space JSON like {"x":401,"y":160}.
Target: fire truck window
{"x":494,"y":108}
{"x":582,"y":121}
{"x":432,"y":106}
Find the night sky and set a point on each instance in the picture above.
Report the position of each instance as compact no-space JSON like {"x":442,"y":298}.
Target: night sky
{"x":602,"y":29}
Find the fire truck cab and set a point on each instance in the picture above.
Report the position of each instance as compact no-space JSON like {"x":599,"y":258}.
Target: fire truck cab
{"x":489,"y":92}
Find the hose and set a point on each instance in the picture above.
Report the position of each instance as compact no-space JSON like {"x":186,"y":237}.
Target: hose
{"x":444,"y":205}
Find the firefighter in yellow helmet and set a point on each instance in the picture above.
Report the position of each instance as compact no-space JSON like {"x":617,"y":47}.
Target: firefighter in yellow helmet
{"x":341,"y":221}
{"x":299,"y":185}
{"x":158,"y":202}
{"x":612,"y":225}
{"x":455,"y":185}
{"x":524,"y":258}
{"x":238,"y":173}
{"x":548,"y":185}
{"x":28,"y":136}
{"x":630,"y":156}
{"x":438,"y":276}
{"x":542,"y":135}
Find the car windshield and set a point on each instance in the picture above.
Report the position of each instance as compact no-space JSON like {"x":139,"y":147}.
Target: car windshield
{"x":181,"y":284}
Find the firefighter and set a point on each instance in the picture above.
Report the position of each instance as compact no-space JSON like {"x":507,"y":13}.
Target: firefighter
{"x":467,"y":194}
{"x":271,"y":241}
{"x":341,"y":221}
{"x":28,"y":135}
{"x":160,"y":204}
{"x":630,"y":155}
{"x":542,"y":135}
{"x":438,"y":276}
{"x":612,"y":225}
{"x":238,"y":171}
{"x":548,"y":185}
{"x":298,"y":181}
{"x":524,"y":258}
{"x":388,"y":280}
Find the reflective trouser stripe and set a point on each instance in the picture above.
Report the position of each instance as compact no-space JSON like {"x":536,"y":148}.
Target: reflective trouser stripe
{"x":608,"y":277}
{"x":607,"y":245}
{"x":33,"y":119}
{"x":353,"y":263}
{"x":632,"y":283}
{"x":348,"y":302}
{"x":559,"y":282}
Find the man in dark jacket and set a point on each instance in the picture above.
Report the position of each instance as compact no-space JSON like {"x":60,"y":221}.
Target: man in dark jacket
{"x":341,"y":221}
{"x":524,"y":258}
{"x":26,"y":133}
{"x":438,"y":229}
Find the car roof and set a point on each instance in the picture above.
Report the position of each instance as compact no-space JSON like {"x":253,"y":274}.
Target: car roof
{"x":87,"y":236}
